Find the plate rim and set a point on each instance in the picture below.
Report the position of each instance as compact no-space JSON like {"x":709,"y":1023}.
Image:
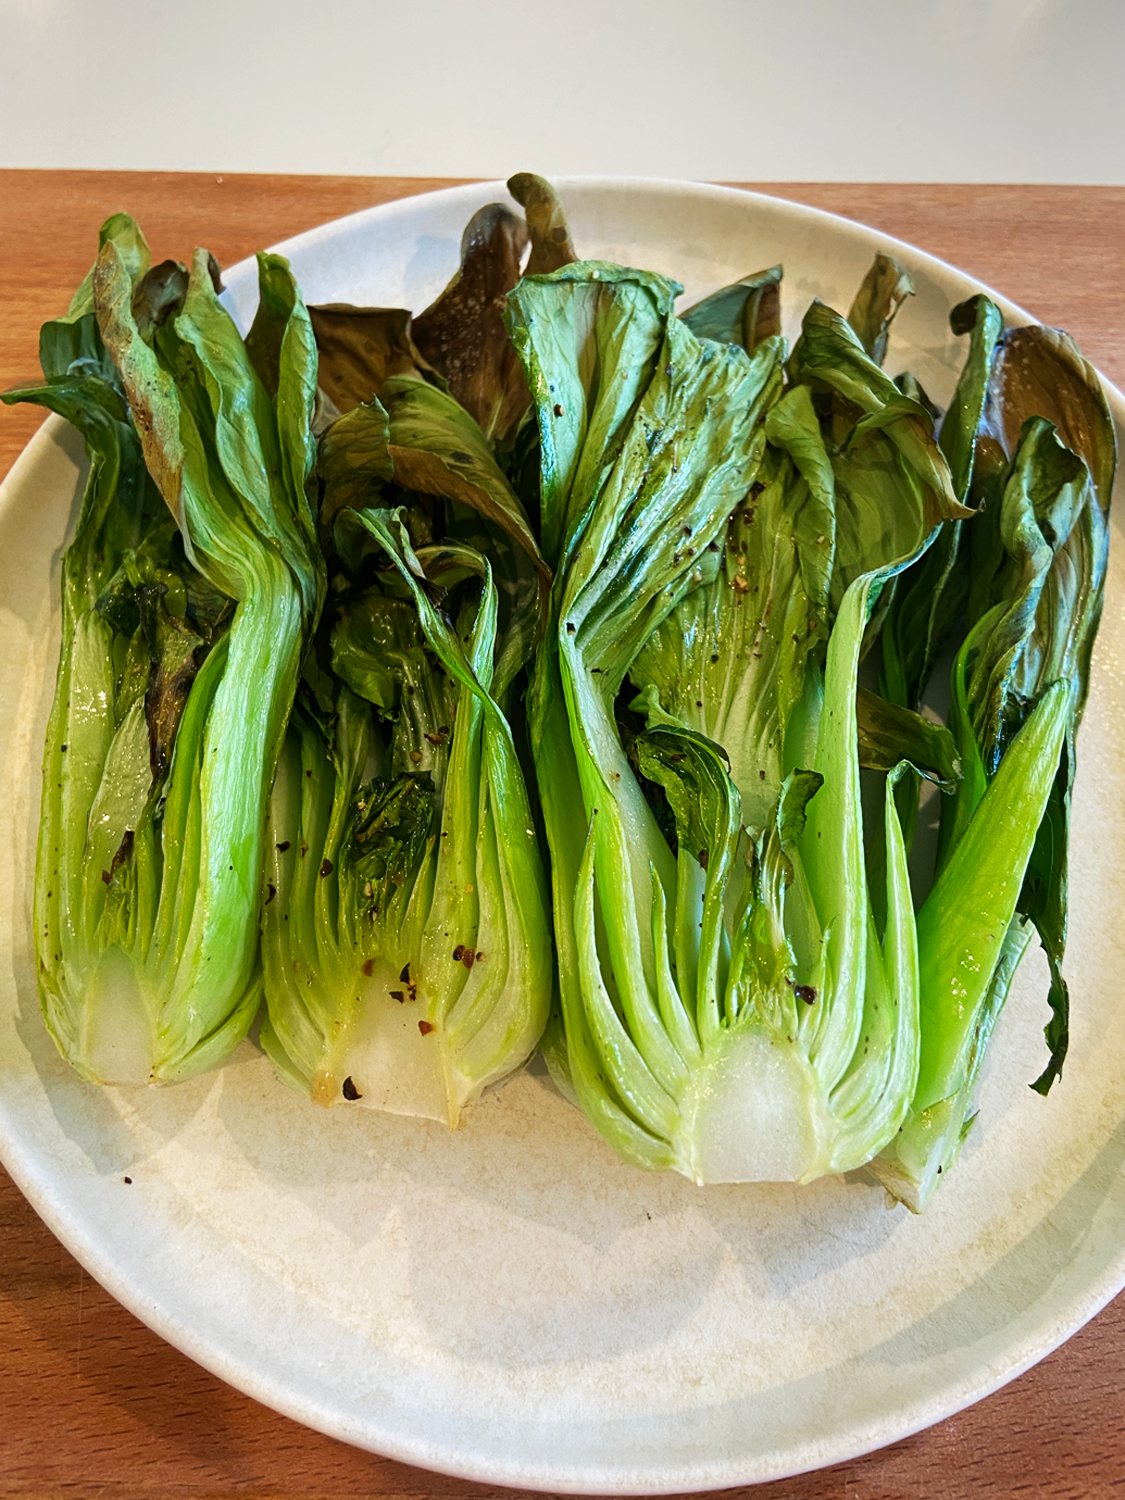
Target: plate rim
{"x":850,"y":1443}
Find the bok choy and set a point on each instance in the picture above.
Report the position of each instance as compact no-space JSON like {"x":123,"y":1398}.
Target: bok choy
{"x":407,"y":948}
{"x":1027,"y":580}
{"x":734,"y":1003}
{"x":189,"y":593}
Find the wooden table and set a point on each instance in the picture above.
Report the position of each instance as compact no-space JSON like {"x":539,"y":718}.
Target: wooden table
{"x":92,"y":1403}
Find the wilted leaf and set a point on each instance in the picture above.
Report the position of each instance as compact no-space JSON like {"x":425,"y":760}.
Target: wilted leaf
{"x":360,"y":348}
{"x":437,"y":449}
{"x":1040,"y":372}
{"x":889,"y":734}
{"x":462,"y":333}
{"x":746,"y":312}
{"x":551,"y":246}
{"x":882,"y":292}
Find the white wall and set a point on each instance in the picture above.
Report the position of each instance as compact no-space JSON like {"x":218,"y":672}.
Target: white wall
{"x":867,"y":90}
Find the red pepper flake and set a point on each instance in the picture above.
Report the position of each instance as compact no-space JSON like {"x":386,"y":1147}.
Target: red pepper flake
{"x":369,"y":967}
{"x":425,"y":1027}
{"x":480,"y":958}
{"x":468,"y":958}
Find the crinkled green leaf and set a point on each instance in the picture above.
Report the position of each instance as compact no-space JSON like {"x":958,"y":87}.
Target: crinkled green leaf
{"x":596,"y":321}
{"x":746,"y":312}
{"x":889,"y":734}
{"x":893,"y":486}
{"x":436,"y":448}
{"x":731,"y":661}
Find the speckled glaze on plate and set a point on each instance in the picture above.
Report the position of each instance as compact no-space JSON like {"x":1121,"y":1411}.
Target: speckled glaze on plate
{"x":511,"y":1303}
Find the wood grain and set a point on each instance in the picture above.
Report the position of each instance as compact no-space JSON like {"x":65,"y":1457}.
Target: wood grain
{"x":94,"y":1404}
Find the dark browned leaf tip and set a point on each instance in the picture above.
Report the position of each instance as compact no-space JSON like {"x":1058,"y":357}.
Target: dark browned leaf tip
{"x":462,"y":333}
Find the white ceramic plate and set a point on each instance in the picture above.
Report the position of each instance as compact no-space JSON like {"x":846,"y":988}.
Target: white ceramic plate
{"x":512,"y":1303}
